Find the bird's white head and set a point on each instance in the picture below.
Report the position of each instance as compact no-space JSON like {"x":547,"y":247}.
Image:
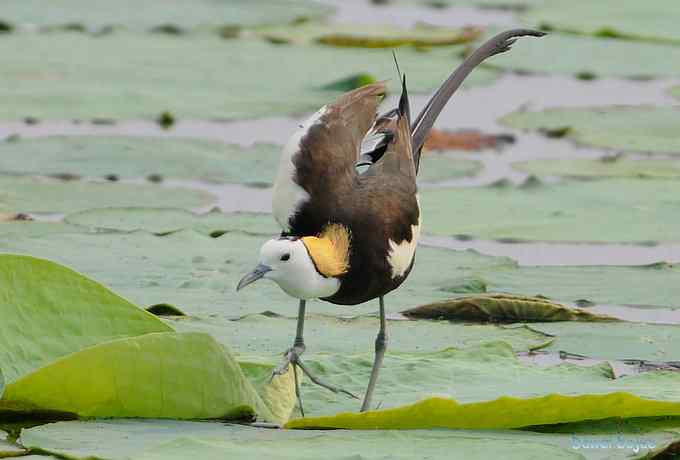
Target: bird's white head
{"x":305,"y":268}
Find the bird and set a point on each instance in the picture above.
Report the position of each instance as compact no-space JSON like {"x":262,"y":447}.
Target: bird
{"x":346,"y":199}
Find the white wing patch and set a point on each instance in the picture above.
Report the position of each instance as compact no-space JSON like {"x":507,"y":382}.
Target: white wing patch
{"x":401,"y":255}
{"x":288,"y":196}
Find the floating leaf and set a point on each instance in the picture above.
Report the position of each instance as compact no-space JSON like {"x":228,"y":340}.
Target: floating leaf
{"x":351,"y":82}
{"x":225,"y":79}
{"x":33,"y":195}
{"x":168,"y":439}
{"x":502,"y":308}
{"x":636,"y":129}
{"x":9,"y":449}
{"x":147,"y":14}
{"x":603,"y":57}
{"x":625,"y":210}
{"x":361,"y":36}
{"x":164,"y":221}
{"x":465,"y":140}
{"x":666,"y":169}
{"x":138,"y":157}
{"x":36,"y":228}
{"x":617,"y":341}
{"x":260,"y":335}
{"x":629,"y":19}
{"x":491,"y":388}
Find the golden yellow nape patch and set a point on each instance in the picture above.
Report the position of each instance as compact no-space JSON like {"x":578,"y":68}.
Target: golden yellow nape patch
{"x":330,"y":250}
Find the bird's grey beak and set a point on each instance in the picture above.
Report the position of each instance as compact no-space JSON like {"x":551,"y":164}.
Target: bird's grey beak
{"x":253,"y":276}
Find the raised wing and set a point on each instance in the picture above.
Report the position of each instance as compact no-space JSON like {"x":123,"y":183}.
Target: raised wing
{"x":318,"y":162}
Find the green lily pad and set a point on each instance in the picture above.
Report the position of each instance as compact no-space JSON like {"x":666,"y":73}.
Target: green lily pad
{"x":139,"y":157}
{"x":162,"y":221}
{"x":615,"y":340}
{"x":167,"y":439}
{"x":146,"y":14}
{"x":198,"y":274}
{"x":440,"y":167}
{"x":502,"y":308}
{"x":26,"y":194}
{"x":627,"y":19}
{"x":600,"y":57}
{"x":260,"y":335}
{"x":616,"y":167}
{"x":492,"y":388}
{"x":349,"y":35}
{"x":225,"y":79}
{"x":630,"y":129}
{"x":36,"y":228}
{"x":624,"y":210}
{"x":69,"y":345}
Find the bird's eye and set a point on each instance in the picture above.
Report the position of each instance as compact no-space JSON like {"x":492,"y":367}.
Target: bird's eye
{"x":285,"y":257}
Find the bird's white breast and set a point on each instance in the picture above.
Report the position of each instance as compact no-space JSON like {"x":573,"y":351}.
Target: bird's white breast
{"x":401,"y":254}
{"x":288,"y":195}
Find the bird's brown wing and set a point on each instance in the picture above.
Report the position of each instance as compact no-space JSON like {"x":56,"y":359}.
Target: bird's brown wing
{"x":318,"y":163}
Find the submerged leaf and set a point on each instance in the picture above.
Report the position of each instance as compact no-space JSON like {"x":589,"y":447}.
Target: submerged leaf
{"x":502,"y":308}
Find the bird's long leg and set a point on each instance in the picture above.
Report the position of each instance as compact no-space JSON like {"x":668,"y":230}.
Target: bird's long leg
{"x":380,"y":347}
{"x":292,"y":356}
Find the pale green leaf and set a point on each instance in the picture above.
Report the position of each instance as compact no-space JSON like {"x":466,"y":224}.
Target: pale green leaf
{"x":607,"y":167}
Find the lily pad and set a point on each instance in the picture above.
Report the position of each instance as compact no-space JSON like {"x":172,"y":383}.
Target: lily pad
{"x":260,"y":335}
{"x":225,"y":79}
{"x":607,"y":211}
{"x":349,"y":35}
{"x":627,"y":19}
{"x":146,"y":14}
{"x":599,"y":57}
{"x":492,"y":389}
{"x":167,"y":439}
{"x":501,"y":308}
{"x":198,"y":274}
{"x":606,"y":167}
{"x":26,"y":194}
{"x":162,"y":221}
{"x":440,"y":167}
{"x":629,"y":129}
{"x":650,"y":342}
{"x":139,"y":157}
{"x":36,"y":228}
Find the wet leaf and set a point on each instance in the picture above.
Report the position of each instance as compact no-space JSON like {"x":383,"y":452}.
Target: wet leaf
{"x":165,"y":221}
{"x":167,"y":439}
{"x":490,"y":387}
{"x":147,"y":14}
{"x":623,"y":167}
{"x":138,"y":157}
{"x":359,"y":36}
{"x":26,"y":194}
{"x":607,"y":211}
{"x":628,"y":19}
{"x":501,"y":308}
{"x":628,"y":129}
{"x":617,"y":341}
{"x":264,"y":336}
{"x":236,"y":78}
{"x":601,"y":57}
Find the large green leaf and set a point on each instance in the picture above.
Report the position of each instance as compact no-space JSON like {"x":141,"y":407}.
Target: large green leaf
{"x":36,"y":228}
{"x":218,"y":78}
{"x":162,"y":221}
{"x":146,"y":14}
{"x":49,"y":311}
{"x":198,"y":274}
{"x":607,"y":167}
{"x":166,"y":439}
{"x":139,"y":157}
{"x":31,"y":195}
{"x":650,"y":342}
{"x":601,"y":57}
{"x":625,"y":210}
{"x":168,"y":375}
{"x":630,"y":19}
{"x":637,"y":129}
{"x":266,"y":336}
{"x":491,"y":388}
